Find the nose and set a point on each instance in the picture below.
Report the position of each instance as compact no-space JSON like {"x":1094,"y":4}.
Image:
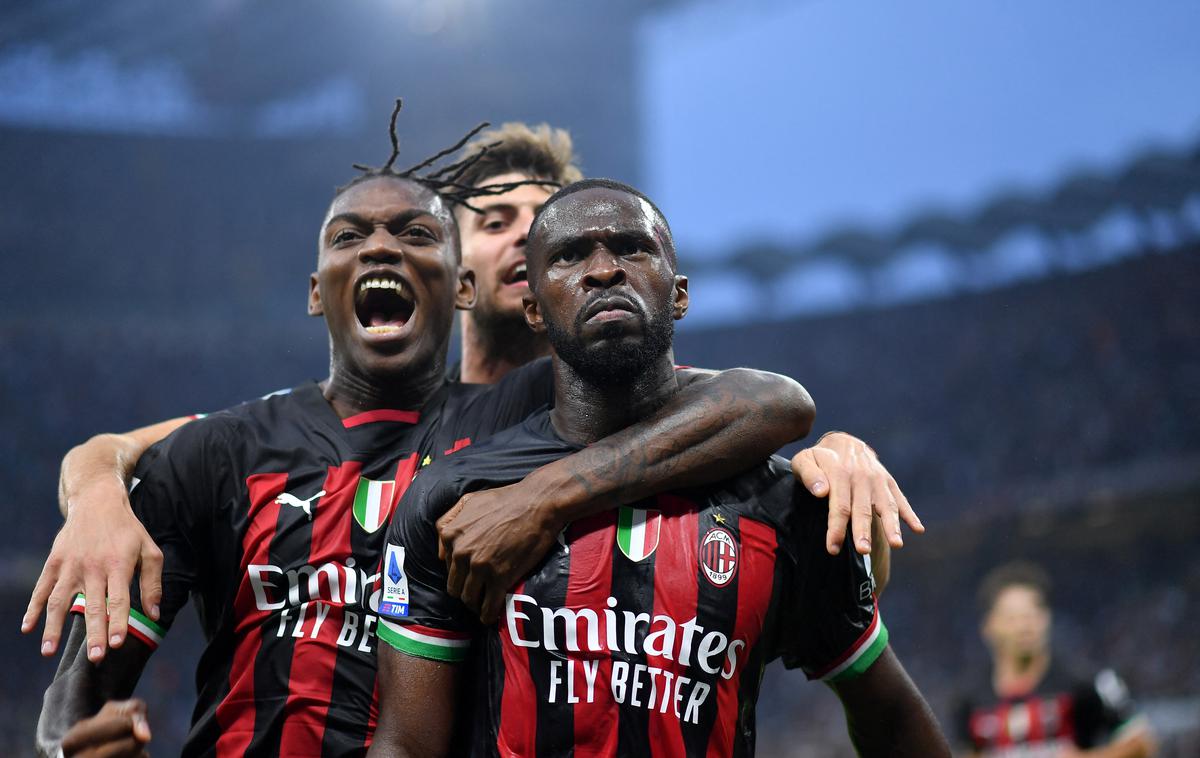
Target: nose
{"x":522,"y":225}
{"x":380,"y":247}
{"x":604,"y":270}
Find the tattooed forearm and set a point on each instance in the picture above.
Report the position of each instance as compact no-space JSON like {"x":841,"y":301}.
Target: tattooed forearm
{"x":714,"y":427}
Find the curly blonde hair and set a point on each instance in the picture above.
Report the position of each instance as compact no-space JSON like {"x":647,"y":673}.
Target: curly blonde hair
{"x":539,"y":152}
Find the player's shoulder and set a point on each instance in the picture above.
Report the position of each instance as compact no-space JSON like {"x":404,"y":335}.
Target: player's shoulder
{"x":538,"y":373}
{"x":241,"y":424}
{"x":770,"y":487}
{"x":505,"y":457}
{"x":770,"y":494}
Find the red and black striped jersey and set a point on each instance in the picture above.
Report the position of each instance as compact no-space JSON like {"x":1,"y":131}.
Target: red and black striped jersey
{"x":271,"y":517}
{"x":1064,"y":711}
{"x":646,"y":630}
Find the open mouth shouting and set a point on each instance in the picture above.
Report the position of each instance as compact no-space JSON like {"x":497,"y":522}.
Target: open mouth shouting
{"x":383,"y":303}
{"x":516,"y":274}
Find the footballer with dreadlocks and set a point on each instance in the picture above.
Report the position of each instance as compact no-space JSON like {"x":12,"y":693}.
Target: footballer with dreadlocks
{"x":101,"y":541}
{"x":269,"y":515}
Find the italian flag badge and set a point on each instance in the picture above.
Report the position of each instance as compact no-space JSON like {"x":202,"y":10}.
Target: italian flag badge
{"x":373,"y":503}
{"x":637,"y":532}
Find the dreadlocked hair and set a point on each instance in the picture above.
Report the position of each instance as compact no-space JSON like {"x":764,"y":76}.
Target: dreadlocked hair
{"x":445,"y":181}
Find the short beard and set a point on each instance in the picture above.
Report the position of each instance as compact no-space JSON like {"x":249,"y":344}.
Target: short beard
{"x":620,"y":363}
{"x":505,"y":337}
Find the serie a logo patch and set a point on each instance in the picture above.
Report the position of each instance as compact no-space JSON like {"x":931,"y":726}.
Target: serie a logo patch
{"x":719,"y":556}
{"x":395,"y":583}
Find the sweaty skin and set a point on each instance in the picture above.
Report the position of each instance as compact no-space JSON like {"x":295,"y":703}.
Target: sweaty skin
{"x":381,"y":227}
{"x":602,"y":241}
{"x":488,"y":535}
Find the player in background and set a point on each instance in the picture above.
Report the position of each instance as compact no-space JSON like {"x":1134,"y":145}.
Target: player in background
{"x":258,"y":509}
{"x":645,"y":632}
{"x":495,"y":337}
{"x":101,"y":543}
{"x":1030,"y":703}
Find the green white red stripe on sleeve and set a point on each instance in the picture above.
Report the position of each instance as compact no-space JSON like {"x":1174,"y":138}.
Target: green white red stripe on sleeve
{"x":859,"y":657}
{"x":425,"y":642}
{"x":140,"y":625}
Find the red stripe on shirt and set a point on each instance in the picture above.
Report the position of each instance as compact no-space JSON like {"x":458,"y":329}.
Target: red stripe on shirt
{"x":385,"y":414}
{"x":459,"y":445}
{"x":675,"y":565}
{"x":755,"y":559}
{"x":406,"y":469}
{"x":518,"y":700}
{"x":152,"y":644}
{"x":1037,"y":727}
{"x":440,"y":633}
{"x":310,"y":688}
{"x":1066,"y":717}
{"x":589,"y":585}
{"x":1003,"y":739}
{"x":236,"y":711}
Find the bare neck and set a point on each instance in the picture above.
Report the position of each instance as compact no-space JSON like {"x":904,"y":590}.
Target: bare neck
{"x":585,"y":411}
{"x":351,"y":392}
{"x":487,"y":357}
{"x":1014,"y":676}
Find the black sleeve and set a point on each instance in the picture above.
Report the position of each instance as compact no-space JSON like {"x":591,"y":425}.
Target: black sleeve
{"x":416,"y":615}
{"x":1102,"y":706}
{"x":963,"y":737}
{"x":828,"y":624}
{"x":176,"y":486}
{"x":508,"y":402}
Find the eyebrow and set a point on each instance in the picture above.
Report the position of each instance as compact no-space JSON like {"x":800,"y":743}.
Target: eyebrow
{"x":403,"y":217}
{"x":505,"y":205}
{"x":650,"y":240}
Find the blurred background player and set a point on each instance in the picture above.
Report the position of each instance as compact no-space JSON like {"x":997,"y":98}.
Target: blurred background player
{"x":1031,"y":703}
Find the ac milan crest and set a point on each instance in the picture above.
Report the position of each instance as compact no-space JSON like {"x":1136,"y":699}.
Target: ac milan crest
{"x":718,"y":556}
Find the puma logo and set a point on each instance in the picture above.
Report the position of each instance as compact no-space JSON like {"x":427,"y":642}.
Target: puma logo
{"x":304,"y":505}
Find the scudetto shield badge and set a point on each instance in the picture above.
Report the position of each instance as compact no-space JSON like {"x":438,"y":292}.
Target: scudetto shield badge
{"x":373,"y":503}
{"x":637,"y":532}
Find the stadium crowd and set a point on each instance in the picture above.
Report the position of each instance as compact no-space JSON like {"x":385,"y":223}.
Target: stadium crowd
{"x":1042,"y":393}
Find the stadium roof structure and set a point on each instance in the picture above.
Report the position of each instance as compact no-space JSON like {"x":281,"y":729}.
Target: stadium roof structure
{"x":1155,"y":189}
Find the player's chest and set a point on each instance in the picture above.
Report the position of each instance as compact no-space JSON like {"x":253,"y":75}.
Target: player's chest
{"x":672,"y":580}
{"x":317,"y":510}
{"x":1042,"y":719}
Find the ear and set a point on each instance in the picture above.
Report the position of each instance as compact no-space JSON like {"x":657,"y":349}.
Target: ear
{"x":533,"y":314}
{"x":464,"y":298}
{"x":314,"y":296}
{"x":681,"y":296}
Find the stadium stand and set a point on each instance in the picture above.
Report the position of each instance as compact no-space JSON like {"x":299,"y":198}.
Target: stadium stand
{"x":1058,"y":419}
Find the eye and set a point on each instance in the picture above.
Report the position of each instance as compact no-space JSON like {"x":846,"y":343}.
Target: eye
{"x":633,"y":247}
{"x":420,"y":232}
{"x":494,"y":225}
{"x":344,"y":236}
{"x":567,"y":256}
